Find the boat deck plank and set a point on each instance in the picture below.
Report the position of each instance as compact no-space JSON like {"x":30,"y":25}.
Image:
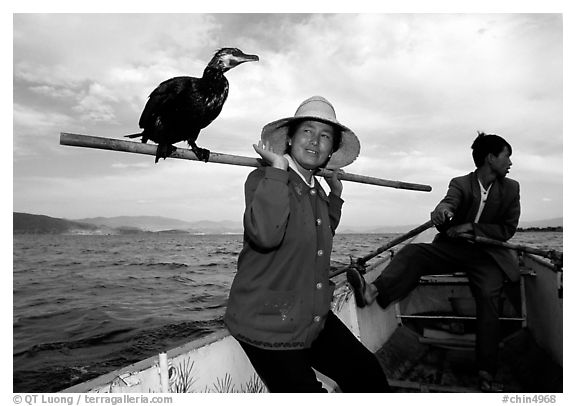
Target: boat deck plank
{"x":413,"y":366}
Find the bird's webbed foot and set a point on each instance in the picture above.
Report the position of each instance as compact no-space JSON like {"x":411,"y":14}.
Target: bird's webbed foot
{"x":202,"y":153}
{"x":164,"y":151}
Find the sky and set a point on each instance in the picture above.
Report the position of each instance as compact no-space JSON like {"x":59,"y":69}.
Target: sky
{"x":416,"y":88}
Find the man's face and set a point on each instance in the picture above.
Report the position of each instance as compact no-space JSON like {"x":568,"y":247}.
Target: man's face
{"x":501,"y":163}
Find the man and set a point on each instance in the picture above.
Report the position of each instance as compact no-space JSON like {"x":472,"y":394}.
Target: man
{"x":483,"y":203}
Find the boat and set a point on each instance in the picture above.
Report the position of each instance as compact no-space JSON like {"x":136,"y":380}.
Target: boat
{"x":425,"y":341}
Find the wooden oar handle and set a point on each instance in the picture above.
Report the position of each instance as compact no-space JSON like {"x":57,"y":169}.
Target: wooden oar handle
{"x":114,"y":144}
{"x":398,"y":240}
{"x":550,"y":254}
{"x":361,"y":262}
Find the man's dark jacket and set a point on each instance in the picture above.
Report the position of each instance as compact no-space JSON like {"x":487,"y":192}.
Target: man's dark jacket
{"x":499,"y":218}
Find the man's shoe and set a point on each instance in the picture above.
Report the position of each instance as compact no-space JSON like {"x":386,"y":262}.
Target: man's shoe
{"x":491,"y":386}
{"x":356,"y":280}
{"x":488,"y":384}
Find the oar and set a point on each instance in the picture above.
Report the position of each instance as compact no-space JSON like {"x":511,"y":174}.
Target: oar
{"x":361,"y":262}
{"x":554,"y":255}
{"x":88,"y":141}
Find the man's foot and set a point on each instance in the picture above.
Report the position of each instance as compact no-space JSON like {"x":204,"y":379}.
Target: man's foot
{"x":488,"y":384}
{"x":356,"y":280}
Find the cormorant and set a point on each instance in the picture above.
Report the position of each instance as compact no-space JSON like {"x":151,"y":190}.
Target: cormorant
{"x":182,"y":106}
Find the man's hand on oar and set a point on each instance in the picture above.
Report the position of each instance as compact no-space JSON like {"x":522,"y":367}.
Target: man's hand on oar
{"x":459,"y":230}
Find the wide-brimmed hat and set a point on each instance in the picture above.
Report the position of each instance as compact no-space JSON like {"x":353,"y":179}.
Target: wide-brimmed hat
{"x":319,"y":109}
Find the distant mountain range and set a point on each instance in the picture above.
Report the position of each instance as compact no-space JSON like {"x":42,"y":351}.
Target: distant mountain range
{"x":25,"y":223}
{"x":156,"y":224}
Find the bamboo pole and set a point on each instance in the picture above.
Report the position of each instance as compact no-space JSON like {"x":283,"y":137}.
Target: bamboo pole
{"x":113,"y":144}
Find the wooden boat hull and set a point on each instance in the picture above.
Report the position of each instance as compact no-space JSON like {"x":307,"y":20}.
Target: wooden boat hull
{"x":544,"y":311}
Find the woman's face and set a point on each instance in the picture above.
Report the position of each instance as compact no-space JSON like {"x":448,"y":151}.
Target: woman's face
{"x":312,"y":144}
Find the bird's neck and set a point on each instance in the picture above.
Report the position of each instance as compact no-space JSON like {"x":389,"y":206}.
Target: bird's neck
{"x":212,"y":73}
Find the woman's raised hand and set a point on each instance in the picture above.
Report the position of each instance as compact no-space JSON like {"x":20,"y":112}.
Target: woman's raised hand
{"x":334,"y":183}
{"x":267,"y":153}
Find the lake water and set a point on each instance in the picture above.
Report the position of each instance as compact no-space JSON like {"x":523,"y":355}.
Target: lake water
{"x":86,"y":305}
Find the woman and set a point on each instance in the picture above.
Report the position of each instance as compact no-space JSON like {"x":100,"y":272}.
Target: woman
{"x":279,"y":305}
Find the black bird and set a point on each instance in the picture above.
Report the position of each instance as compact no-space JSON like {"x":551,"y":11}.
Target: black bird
{"x":182,"y":106}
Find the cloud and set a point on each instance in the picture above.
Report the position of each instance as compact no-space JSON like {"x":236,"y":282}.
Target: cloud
{"x":122,"y":165}
{"x":97,"y":104}
{"x":36,"y":130}
{"x":171,"y":188}
{"x":122,"y":39}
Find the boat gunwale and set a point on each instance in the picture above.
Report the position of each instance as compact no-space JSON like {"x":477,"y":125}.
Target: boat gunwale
{"x":150,"y":362}
{"x":380,"y":260}
{"x":548,"y":265}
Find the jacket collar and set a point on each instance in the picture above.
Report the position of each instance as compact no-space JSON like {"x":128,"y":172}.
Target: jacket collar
{"x":301,"y":188}
{"x":492,"y":204}
{"x":293,"y":166}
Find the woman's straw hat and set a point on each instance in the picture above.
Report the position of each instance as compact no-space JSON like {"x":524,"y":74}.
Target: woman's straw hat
{"x":320,"y":109}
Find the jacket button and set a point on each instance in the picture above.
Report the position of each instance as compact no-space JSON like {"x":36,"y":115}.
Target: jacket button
{"x":319,"y":285}
{"x":318,"y":222}
{"x":320,"y":253}
{"x":312,"y":192}
{"x":316,"y":319}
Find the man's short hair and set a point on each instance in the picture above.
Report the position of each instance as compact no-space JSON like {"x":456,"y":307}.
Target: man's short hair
{"x":485,"y":144}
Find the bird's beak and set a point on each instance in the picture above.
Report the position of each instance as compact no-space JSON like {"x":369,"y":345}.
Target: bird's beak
{"x":245,"y":58}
